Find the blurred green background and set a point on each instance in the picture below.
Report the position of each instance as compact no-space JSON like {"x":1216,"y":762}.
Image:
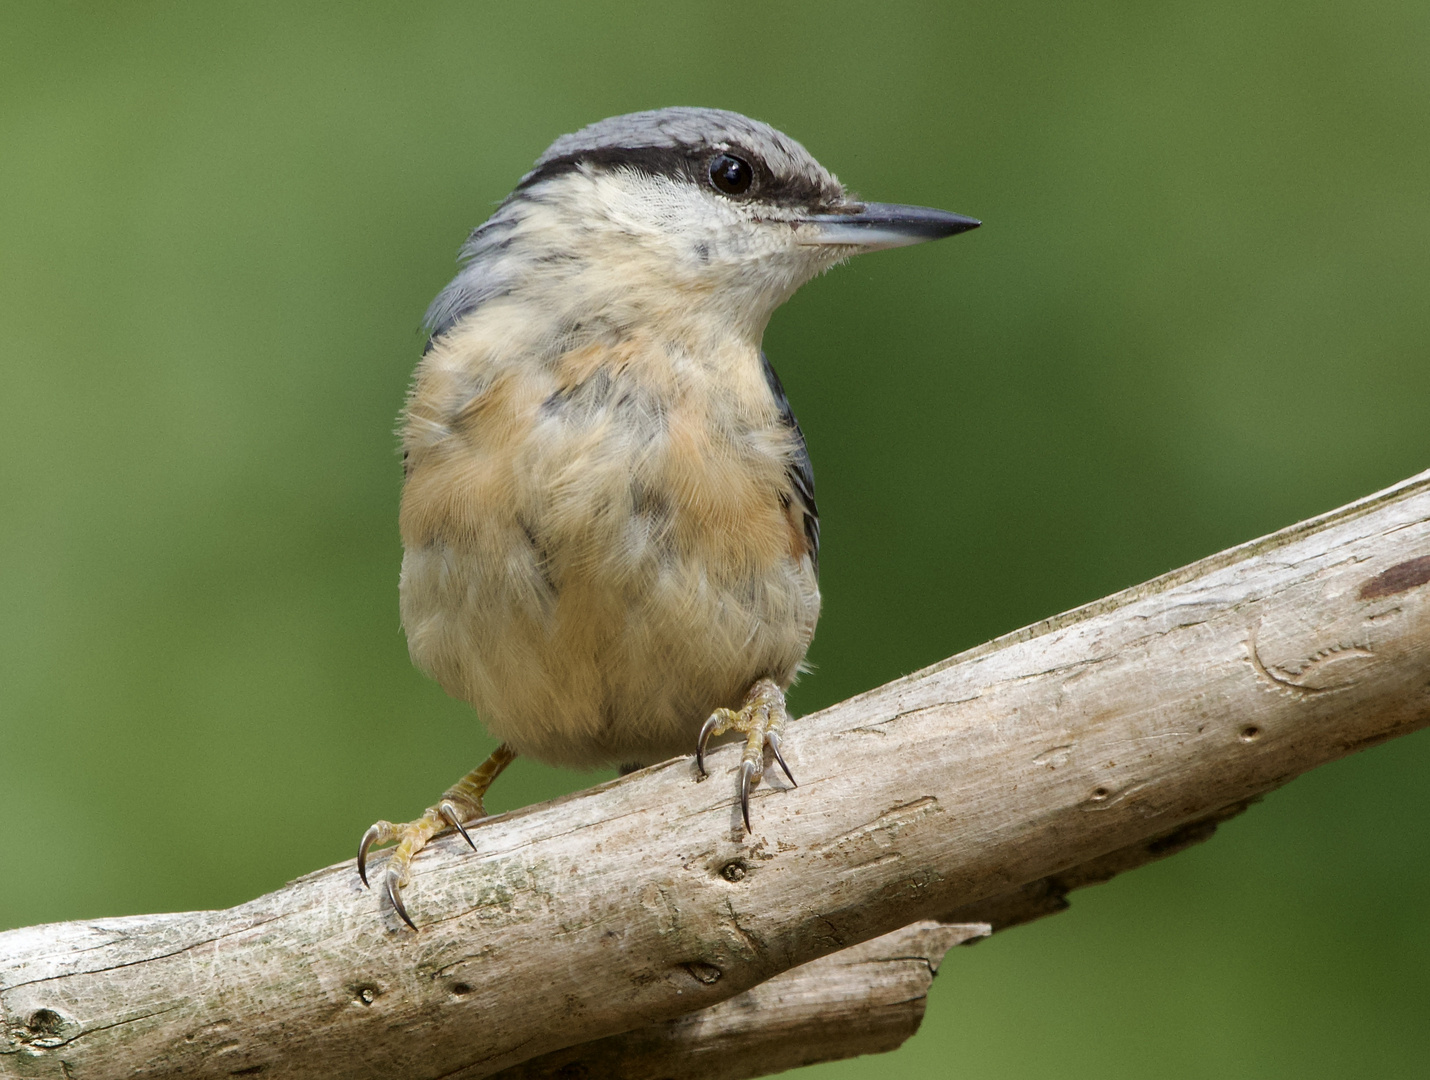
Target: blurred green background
{"x":1198,"y":312}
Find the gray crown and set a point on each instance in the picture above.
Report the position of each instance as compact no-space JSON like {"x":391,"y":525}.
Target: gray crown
{"x":689,"y":129}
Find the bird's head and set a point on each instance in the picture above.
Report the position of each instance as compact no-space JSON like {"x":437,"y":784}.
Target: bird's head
{"x":676,"y":213}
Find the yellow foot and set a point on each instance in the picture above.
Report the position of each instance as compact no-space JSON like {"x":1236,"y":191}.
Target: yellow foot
{"x":761,"y":720}
{"x":461,"y":803}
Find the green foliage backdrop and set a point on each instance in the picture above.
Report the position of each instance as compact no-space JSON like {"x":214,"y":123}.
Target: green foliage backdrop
{"x":1197,"y":312}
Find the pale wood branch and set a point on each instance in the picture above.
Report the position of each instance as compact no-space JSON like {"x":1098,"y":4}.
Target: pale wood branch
{"x":862,"y":1000}
{"x":980,"y":789}
{"x":872,"y":1008}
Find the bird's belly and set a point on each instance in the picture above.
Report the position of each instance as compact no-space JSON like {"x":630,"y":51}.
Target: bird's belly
{"x":600,"y":615}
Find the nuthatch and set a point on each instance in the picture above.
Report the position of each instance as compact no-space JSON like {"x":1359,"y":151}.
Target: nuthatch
{"x":608,"y":515}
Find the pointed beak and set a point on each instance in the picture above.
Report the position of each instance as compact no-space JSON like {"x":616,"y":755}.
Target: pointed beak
{"x":882,"y":225}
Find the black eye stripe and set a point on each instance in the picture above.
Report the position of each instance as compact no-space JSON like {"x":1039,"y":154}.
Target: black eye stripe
{"x":692,"y":163}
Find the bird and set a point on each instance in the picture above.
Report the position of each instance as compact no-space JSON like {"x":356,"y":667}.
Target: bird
{"x":610,"y":535}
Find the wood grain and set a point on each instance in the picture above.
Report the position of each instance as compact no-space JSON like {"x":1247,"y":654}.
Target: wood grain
{"x":863,"y":1000}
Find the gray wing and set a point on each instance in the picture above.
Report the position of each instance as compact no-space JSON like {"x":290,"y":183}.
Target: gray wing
{"x":801,"y":469}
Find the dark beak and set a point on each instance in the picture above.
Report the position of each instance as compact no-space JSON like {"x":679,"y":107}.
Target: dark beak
{"x":876,"y":226}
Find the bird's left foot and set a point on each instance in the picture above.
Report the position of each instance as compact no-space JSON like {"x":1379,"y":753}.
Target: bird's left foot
{"x":761,"y":719}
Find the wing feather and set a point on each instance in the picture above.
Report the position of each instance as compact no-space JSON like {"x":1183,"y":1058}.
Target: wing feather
{"x":801,"y":469}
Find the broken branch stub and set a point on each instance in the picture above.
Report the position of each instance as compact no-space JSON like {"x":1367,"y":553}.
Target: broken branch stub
{"x":863,"y":1000}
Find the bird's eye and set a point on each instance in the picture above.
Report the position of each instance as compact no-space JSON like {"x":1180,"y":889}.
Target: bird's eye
{"x":731,"y":175}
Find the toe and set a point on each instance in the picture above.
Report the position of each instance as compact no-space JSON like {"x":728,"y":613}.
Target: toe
{"x":378,"y":833}
{"x":392,"y":885}
{"x":772,"y":740}
{"x":449,"y":813}
{"x":747,"y":774}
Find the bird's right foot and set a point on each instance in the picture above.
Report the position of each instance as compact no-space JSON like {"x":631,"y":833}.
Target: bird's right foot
{"x":761,"y":719}
{"x":461,"y":803}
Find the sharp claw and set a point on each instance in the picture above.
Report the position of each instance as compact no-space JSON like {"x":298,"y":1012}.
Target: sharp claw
{"x":703,"y":738}
{"x":774,"y":743}
{"x":449,"y":815}
{"x":394,"y":896}
{"x":747,"y":770}
{"x":367,"y":841}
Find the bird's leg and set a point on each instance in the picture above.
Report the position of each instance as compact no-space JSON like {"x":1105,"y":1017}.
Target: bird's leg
{"x":460,"y":803}
{"x":761,"y":719}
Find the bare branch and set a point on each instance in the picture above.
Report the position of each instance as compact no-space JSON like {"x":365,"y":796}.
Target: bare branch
{"x":872,"y":1008}
{"x":863,"y":1000}
{"x":1082,"y":742}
